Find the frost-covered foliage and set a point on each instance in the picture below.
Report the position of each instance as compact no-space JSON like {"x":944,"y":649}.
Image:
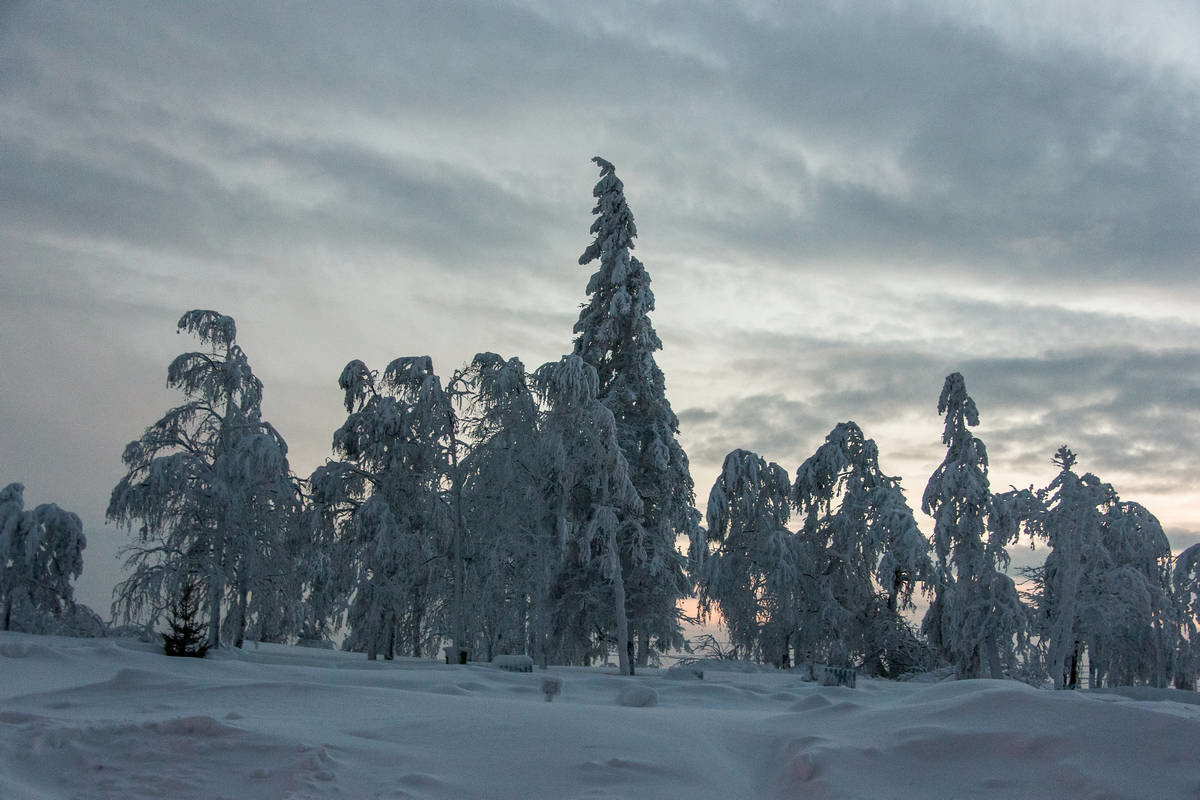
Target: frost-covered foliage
{"x":862,"y":557}
{"x":968,"y":586}
{"x":209,"y":497}
{"x":41,"y":552}
{"x":510,"y":553}
{"x":1106,"y":584}
{"x":381,"y":513}
{"x":747,"y":563}
{"x":615,"y":336}
{"x":595,"y":512}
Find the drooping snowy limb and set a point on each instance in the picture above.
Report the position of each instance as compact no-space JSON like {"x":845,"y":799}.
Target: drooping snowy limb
{"x":868,"y":554}
{"x":1004,"y":626}
{"x":207,"y":488}
{"x":746,"y":562}
{"x":591,"y":501}
{"x":41,"y":552}
{"x":615,"y":336}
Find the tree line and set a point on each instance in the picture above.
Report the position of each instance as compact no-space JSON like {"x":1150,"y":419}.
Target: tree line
{"x":835,"y":589}
{"x":505,"y":510}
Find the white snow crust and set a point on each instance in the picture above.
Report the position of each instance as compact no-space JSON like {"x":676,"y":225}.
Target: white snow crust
{"x":114,"y":718}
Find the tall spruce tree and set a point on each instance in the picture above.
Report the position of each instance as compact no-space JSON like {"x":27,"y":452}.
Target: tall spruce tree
{"x":957,"y":497}
{"x":614,"y":335}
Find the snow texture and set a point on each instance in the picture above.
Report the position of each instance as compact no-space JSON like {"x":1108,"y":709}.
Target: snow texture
{"x":108,"y":718}
{"x":513,"y":663}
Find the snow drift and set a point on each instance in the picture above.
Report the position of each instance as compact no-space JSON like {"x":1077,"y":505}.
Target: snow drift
{"x":107,"y":718}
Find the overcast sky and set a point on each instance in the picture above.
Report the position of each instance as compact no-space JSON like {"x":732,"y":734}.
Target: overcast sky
{"x":837,"y":206}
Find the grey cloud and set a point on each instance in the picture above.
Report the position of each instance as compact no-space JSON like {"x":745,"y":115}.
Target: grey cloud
{"x":1182,"y":539}
{"x":1130,"y":412}
{"x":1064,"y":157}
{"x":697,"y":416}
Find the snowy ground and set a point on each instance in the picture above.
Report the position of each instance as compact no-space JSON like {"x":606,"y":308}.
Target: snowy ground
{"x":115,"y":719}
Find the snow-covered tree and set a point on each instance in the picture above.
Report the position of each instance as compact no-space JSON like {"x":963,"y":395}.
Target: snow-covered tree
{"x":510,"y":554}
{"x":383,"y":509}
{"x":1129,"y":617}
{"x":746,"y":562}
{"x":41,"y":552}
{"x":208,"y":491}
{"x":593,"y":506}
{"x":615,"y":336}
{"x":863,"y":555}
{"x":1072,"y":524}
{"x":957,"y":497}
{"x":1185,"y":583}
{"x":1106,"y":584}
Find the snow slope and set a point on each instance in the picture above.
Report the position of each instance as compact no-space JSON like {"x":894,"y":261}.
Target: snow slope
{"x":116,"y":719}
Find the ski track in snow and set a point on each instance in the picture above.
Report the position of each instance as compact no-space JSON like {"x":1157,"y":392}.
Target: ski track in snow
{"x":111,"y":718}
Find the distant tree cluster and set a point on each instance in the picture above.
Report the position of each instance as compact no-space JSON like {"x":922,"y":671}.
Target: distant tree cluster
{"x":508,"y":511}
{"x":41,"y":552}
{"x":834,"y":589}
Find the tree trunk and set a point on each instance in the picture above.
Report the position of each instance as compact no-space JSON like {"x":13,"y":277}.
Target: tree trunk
{"x":643,"y":652}
{"x":1062,"y":627}
{"x":239,"y":631}
{"x":459,"y":602}
{"x":991,"y":654}
{"x":618,"y":582}
{"x":215,"y":590}
{"x":373,"y":637}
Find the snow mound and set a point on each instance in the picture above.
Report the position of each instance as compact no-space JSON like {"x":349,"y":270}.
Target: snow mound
{"x":635,"y":696}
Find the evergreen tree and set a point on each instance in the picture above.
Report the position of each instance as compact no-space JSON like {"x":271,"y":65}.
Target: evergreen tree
{"x":747,"y":562}
{"x":209,"y":486}
{"x":614,"y":335}
{"x":957,"y":497}
{"x":41,"y":552}
{"x":864,"y":555}
{"x":188,"y":634}
{"x":1071,"y":523}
